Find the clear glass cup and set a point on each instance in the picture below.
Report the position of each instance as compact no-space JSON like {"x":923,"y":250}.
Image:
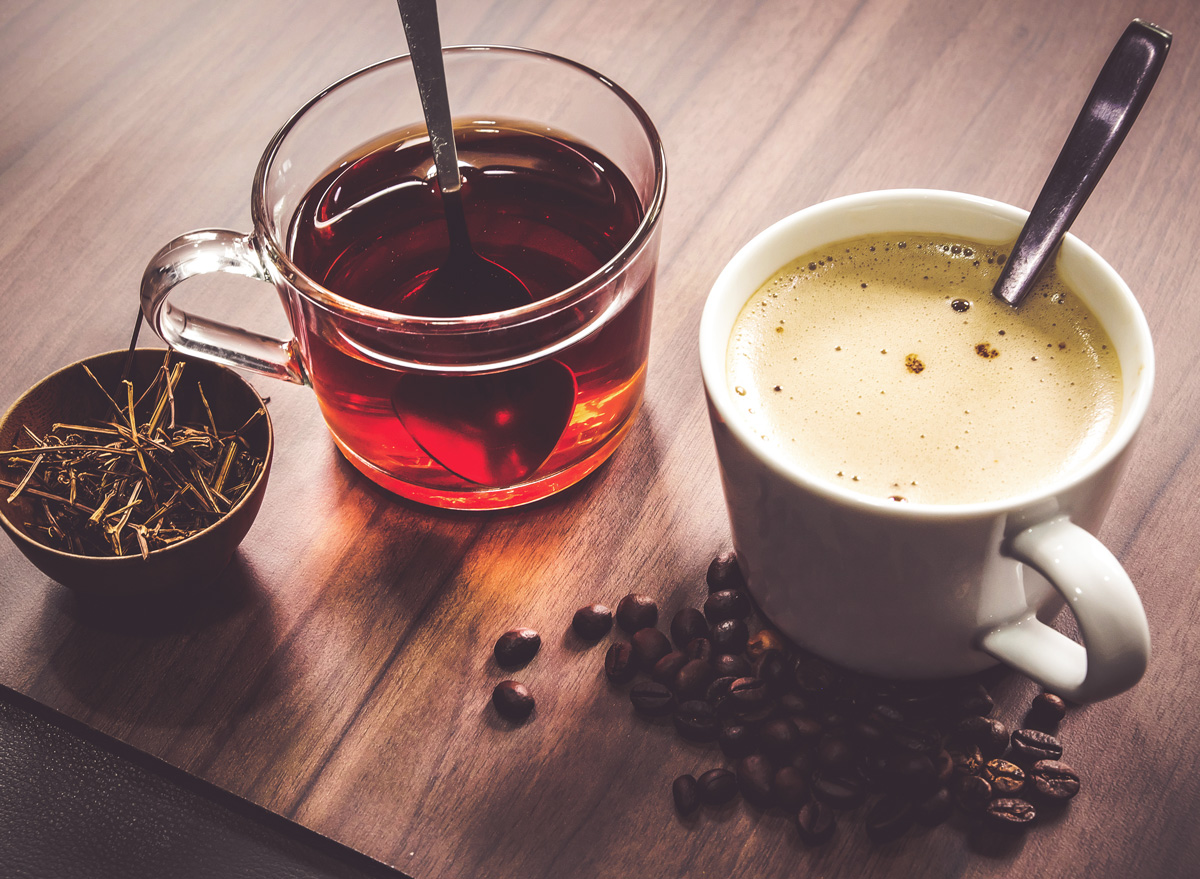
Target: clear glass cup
{"x":402,"y":395}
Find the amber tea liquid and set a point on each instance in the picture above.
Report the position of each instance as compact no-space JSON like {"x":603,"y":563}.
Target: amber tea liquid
{"x":552,"y":212}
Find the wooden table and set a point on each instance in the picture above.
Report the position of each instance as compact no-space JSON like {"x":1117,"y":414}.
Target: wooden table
{"x":342,"y":678}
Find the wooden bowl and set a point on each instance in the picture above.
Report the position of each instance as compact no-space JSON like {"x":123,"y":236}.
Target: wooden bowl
{"x":70,"y":396}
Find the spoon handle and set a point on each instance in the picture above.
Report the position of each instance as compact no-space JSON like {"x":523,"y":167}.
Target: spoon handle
{"x":425,"y":47}
{"x":1107,"y":115}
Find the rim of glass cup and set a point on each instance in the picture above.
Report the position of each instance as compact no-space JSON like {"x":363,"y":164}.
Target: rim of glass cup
{"x":263,"y":220}
{"x":717,"y":391}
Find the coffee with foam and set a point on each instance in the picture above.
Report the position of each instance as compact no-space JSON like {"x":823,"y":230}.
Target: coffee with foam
{"x":884,"y":365}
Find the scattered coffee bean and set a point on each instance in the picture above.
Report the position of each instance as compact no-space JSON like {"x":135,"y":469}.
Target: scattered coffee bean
{"x":592,"y":622}
{"x":755,"y":776}
{"x":1046,"y":712}
{"x":696,"y":721}
{"x":762,"y":641}
{"x":717,"y":786}
{"x":889,"y":819}
{"x":968,"y":760}
{"x":516,"y":647}
{"x":728,"y":604}
{"x":651,"y":699}
{"x":724,"y":573}
{"x":971,"y":701}
{"x":841,"y":793}
{"x":815,"y":678}
{"x":717,"y":695}
{"x":619,"y":663}
{"x":512,"y":700}
{"x":835,"y":754}
{"x":943,"y":763}
{"x":700,"y":648}
{"x":934,"y":809}
{"x":780,"y":738}
{"x":665,"y":669}
{"x":915,"y":740}
{"x":692,"y":679}
{"x":636,"y":611}
{"x":730,"y":636}
{"x":684,"y":791}
{"x":816,"y":823}
{"x":773,"y":668}
{"x":972,"y":793}
{"x":649,"y":646}
{"x":1006,"y":778}
{"x":731,"y":664}
{"x":789,"y":788}
{"x":737,"y":740}
{"x":747,"y":694}
{"x":913,"y":775}
{"x":1031,"y":745}
{"x":686,"y":626}
{"x":792,"y":703}
{"x":1054,"y":780}
{"x":1009,"y":813}
{"x":985,"y":733}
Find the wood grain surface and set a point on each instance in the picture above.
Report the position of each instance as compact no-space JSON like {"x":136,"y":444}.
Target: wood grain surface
{"x":340,"y":673}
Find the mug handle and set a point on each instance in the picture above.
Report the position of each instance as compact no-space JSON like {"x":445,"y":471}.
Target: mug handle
{"x":1116,"y":636}
{"x":199,"y":253}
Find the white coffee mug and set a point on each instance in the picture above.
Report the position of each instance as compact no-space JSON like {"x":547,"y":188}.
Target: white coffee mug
{"x":934,"y":590}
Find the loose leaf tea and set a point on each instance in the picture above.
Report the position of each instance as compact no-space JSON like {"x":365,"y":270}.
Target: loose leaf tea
{"x":135,"y":483}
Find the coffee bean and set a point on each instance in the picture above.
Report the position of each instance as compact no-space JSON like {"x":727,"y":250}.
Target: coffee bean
{"x":867,"y":735}
{"x":789,"y":788}
{"x":967,"y":760}
{"x":700,"y":648}
{"x":717,"y":786}
{"x":973,"y":700}
{"x":762,"y":641}
{"x":915,"y":740}
{"x":809,"y":727}
{"x":592,"y":622}
{"x":839,"y":793}
{"x":686,"y":626}
{"x":780,"y":738}
{"x":619,"y":664}
{"x":685,"y":792}
{"x":730,"y":636}
{"x":816,"y":823}
{"x":693,"y":679}
{"x":755,"y":776}
{"x":943,"y":763}
{"x":737,"y":740}
{"x":696,"y":721}
{"x":512,"y":700}
{"x":1046,"y":712}
{"x":985,"y":733}
{"x":1009,"y":813}
{"x":793,"y":704}
{"x":726,"y":664}
{"x":934,"y":809}
{"x":802,"y":762}
{"x":972,"y":793}
{"x":724,"y":573}
{"x":728,"y":604}
{"x":835,"y":754}
{"x":1054,"y":780}
{"x":636,"y":611}
{"x":773,"y":668}
{"x":649,"y":646}
{"x":665,"y":669}
{"x":717,"y":695}
{"x":889,"y":819}
{"x":516,"y":647}
{"x":651,"y":699}
{"x":1031,"y":745}
{"x":886,"y":716}
{"x":833,"y":717}
{"x":747,"y":694}
{"x":1006,"y":778}
{"x":815,"y":678}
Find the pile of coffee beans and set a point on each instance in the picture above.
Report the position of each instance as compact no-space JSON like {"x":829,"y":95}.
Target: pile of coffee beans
{"x":800,"y":735}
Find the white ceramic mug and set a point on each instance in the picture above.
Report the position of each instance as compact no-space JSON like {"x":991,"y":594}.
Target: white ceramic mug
{"x":928,"y":590}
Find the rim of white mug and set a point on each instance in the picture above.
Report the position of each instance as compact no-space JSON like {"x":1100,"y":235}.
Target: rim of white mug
{"x":772,"y":249}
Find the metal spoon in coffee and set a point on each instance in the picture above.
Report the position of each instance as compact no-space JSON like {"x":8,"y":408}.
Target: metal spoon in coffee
{"x":466,"y":283}
{"x":1114,"y":103}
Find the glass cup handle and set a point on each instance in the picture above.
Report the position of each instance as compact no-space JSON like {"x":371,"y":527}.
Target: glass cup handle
{"x":1116,"y":637}
{"x":199,"y":253}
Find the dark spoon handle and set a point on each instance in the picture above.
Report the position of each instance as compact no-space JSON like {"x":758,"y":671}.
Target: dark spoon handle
{"x":425,"y":46}
{"x":1107,"y":115}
